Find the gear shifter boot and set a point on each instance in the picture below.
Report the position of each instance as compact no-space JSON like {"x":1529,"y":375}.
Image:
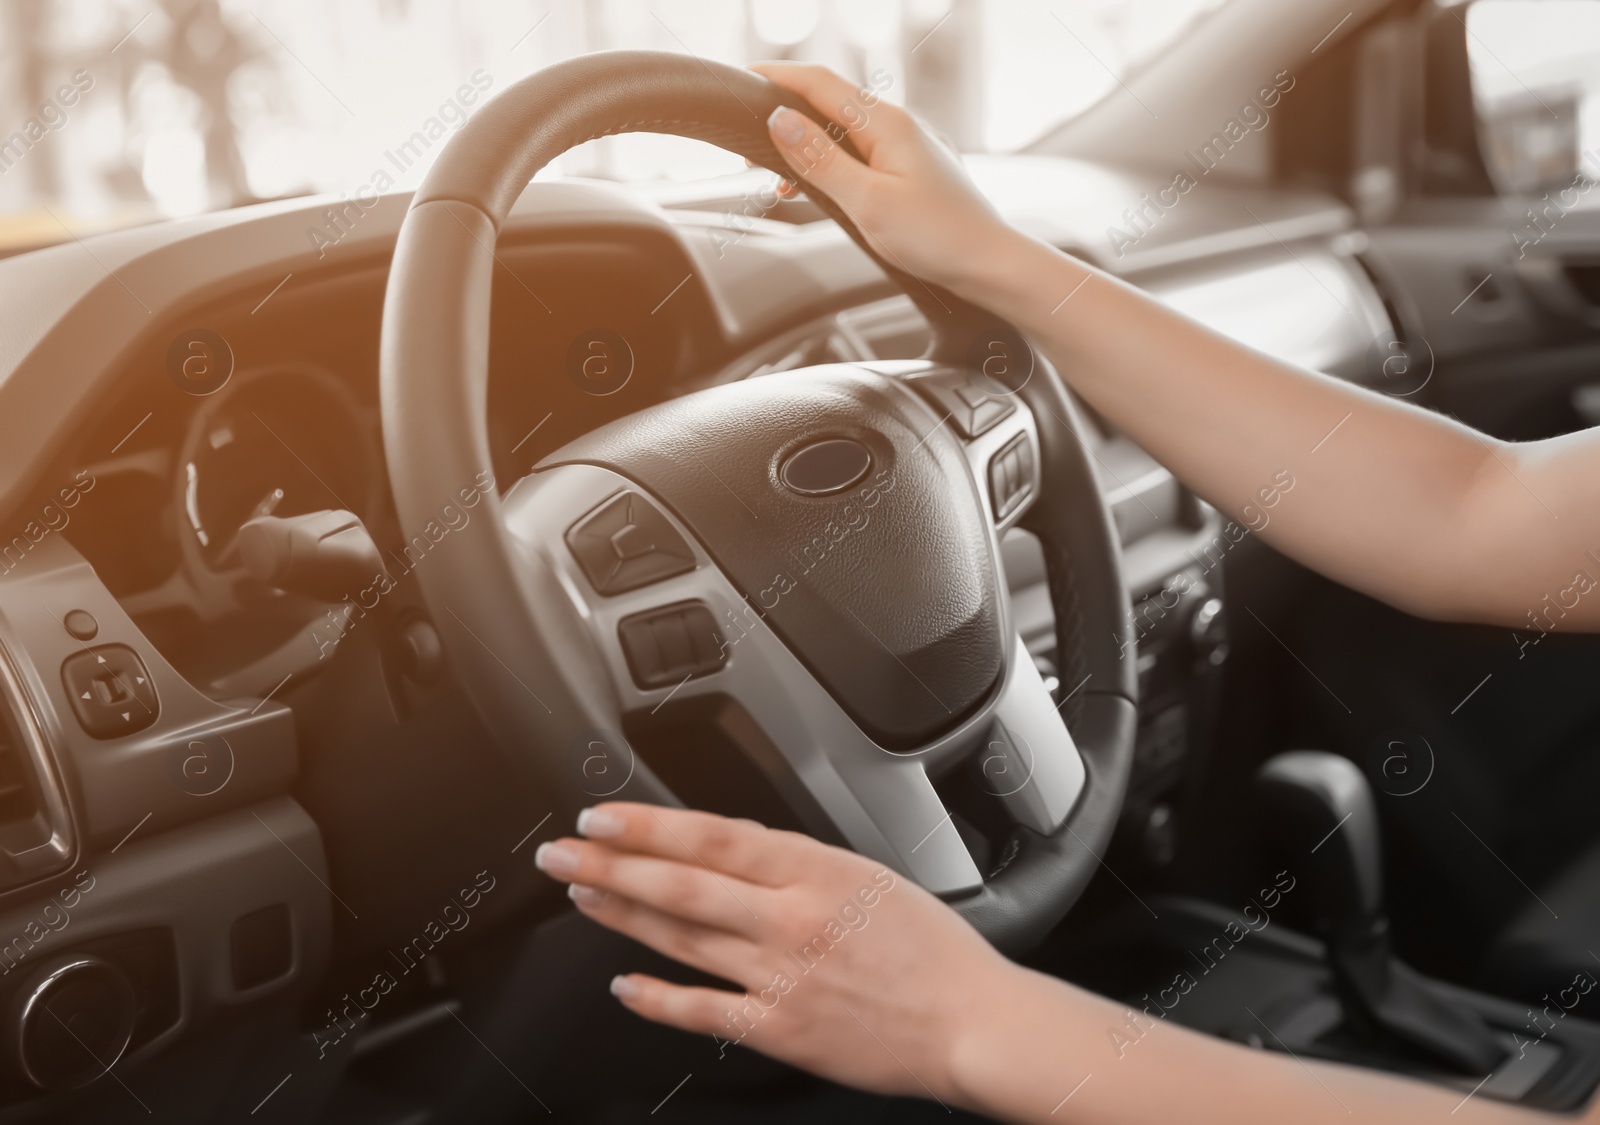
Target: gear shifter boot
{"x":1378,"y":990}
{"x":1320,"y":806}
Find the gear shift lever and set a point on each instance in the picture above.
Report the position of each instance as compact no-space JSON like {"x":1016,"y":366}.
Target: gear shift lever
{"x":1321,"y":806}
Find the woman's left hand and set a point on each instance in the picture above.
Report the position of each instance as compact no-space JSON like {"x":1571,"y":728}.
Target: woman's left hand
{"x":850,"y":971}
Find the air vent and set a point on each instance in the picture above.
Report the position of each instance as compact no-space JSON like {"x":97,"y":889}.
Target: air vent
{"x":19,"y":803}
{"x":36,"y":837}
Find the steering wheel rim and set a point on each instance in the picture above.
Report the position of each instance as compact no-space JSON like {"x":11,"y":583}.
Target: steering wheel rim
{"x":505,"y":630}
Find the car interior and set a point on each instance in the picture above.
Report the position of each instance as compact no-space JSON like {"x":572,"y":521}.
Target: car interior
{"x":350,"y":544}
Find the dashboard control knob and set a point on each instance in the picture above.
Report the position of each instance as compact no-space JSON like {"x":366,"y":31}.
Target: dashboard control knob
{"x":421,"y":651}
{"x":80,"y":624}
{"x":1160,"y":836}
{"x":72,"y":1021}
{"x":1208,"y":632}
{"x":110,"y":691}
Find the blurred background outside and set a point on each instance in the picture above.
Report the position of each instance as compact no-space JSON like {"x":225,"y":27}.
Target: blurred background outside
{"x":117,"y":112}
{"x":114,"y":112}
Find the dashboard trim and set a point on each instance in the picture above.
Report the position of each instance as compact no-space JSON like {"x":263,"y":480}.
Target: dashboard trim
{"x":62,"y":846}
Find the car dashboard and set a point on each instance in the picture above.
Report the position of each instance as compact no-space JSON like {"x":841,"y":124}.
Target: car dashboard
{"x":257,"y":784}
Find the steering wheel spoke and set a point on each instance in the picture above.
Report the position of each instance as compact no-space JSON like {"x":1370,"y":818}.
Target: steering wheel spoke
{"x":842,"y":784}
{"x":671,"y":630}
{"x":1030,"y":761}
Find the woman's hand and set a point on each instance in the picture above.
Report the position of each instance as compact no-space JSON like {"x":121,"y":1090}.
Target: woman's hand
{"x":849,"y":970}
{"x":858,"y":975}
{"x":911,"y":199}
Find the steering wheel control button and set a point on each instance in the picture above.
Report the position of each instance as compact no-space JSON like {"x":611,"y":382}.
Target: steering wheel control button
{"x":110,"y":690}
{"x":672,"y":645}
{"x":967,"y":402}
{"x":627,"y":543}
{"x":80,"y":624}
{"x":1011,"y":476}
{"x":825,"y":467}
{"x":73,"y":1021}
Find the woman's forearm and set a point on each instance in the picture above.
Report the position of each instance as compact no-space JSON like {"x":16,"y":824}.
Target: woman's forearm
{"x":1391,"y":499}
{"x":1376,"y":493}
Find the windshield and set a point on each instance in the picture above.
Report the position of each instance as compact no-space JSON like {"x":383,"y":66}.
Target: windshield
{"x":114,"y":112}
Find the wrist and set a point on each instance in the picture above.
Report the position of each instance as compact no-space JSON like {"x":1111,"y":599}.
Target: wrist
{"x":1002,"y":271}
{"x":993,"y":1043}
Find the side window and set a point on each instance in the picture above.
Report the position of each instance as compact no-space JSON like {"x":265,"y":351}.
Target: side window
{"x":1535,"y":67}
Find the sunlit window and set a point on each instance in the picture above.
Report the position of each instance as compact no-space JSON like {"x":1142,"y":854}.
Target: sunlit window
{"x":119,"y":111}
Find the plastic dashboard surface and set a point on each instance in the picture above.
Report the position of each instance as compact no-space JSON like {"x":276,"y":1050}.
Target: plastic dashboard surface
{"x":87,"y":395}
{"x":87,"y":382}
{"x":87,"y":385}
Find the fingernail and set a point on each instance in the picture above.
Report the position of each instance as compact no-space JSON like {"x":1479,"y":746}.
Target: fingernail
{"x":555,"y":860}
{"x":787,"y":125}
{"x":585,"y":896}
{"x":598,"y":824}
{"x":624,"y":989}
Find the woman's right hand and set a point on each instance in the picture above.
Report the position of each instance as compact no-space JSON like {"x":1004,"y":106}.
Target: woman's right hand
{"x":848,"y":970}
{"x":911,"y":199}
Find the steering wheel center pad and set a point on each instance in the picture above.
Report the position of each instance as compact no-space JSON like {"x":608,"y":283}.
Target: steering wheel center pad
{"x":887,"y":591}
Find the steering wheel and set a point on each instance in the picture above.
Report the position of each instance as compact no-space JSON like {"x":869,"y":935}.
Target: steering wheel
{"x":810,"y":558}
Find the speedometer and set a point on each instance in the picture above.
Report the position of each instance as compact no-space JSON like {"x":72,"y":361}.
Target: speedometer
{"x":281,"y":442}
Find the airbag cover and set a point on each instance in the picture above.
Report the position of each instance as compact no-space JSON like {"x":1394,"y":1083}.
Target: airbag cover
{"x":886,"y":590}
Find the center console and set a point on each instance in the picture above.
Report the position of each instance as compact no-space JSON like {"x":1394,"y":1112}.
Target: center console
{"x":1340,"y":994}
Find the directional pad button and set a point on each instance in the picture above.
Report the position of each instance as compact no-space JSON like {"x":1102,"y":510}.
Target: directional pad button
{"x":110,"y":690}
{"x":632,"y":542}
{"x":972,"y":406}
{"x":626,"y":543}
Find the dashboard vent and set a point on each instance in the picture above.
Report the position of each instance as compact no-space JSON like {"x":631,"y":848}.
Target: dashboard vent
{"x":18,"y":802}
{"x":36,"y":830}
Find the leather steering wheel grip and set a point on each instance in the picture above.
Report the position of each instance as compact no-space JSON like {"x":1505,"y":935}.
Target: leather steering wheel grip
{"x":535,"y":120}
{"x":434,"y":388}
{"x":1042,"y":876}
